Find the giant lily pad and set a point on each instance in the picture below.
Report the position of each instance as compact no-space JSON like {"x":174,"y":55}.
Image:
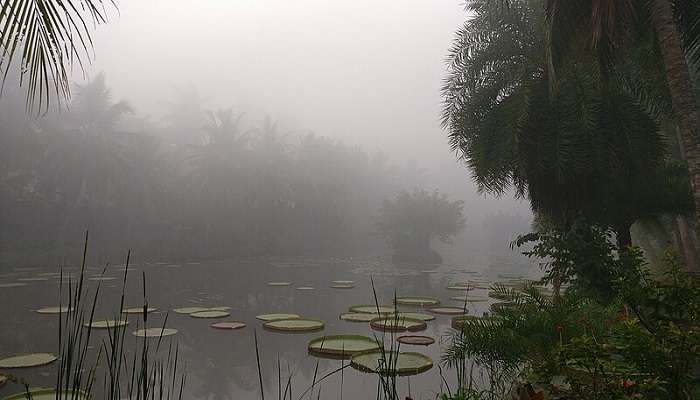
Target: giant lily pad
{"x":102,"y":278}
{"x":416,"y":340}
{"x":138,"y":310}
{"x":13,"y":284}
{"x":106,"y":324}
{"x":53,"y":310}
{"x":448,"y":310}
{"x":358,"y":317}
{"x":417,"y":301}
{"x":279,"y":283}
{"x":392,"y":363}
{"x":342,"y":346}
{"x":342,"y":286}
{"x":343,"y":282}
{"x":305,"y":288}
{"x":394,"y":324}
{"x":155,"y":332}
{"x":48,"y":394}
{"x":210,"y":314}
{"x":27,"y":360}
{"x":469,"y":299}
{"x":34,"y":279}
{"x":190,"y":310}
{"x":373,"y":309}
{"x":229,"y":325}
{"x":415,"y":315}
{"x":294,"y":325}
{"x":276,"y":317}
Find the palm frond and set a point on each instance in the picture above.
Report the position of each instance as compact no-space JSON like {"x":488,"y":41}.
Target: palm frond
{"x":43,"y":40}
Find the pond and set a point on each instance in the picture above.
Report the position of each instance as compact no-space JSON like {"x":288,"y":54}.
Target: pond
{"x":221,"y":363}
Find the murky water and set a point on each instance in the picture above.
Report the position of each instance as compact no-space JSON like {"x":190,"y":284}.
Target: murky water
{"x":222,"y":364}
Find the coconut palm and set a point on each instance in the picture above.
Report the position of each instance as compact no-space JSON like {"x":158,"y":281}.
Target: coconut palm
{"x":43,"y":39}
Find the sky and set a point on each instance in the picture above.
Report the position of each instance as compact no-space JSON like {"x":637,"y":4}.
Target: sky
{"x":367,"y":72}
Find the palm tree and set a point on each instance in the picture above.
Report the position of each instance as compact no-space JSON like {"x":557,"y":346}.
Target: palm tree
{"x":608,"y":26}
{"x":42,"y":39}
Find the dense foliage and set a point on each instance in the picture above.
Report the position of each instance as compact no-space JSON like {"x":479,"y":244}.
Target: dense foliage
{"x":200,"y":185}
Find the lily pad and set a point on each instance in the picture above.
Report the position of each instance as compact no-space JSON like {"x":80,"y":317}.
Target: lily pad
{"x":210,"y":314}
{"x":417,"y":301}
{"x":469,"y":299}
{"x":48,"y":394}
{"x":102,"y":278}
{"x":279,"y":283}
{"x":38,"y":279}
{"x":27,"y":360}
{"x":358,"y":317}
{"x":106,"y":324}
{"x":155,"y":332}
{"x":416,"y":315}
{"x":53,"y":310}
{"x":138,"y":310}
{"x":219,"y":308}
{"x":343,"y":282}
{"x":394,"y":324}
{"x":416,"y":340}
{"x":448,"y":310}
{"x":276,"y":317}
{"x":373,"y":309}
{"x":304,"y":288}
{"x":294,"y":325}
{"x":392,"y":363}
{"x":342,"y":346}
{"x":230,"y":325}
{"x":13,"y":284}
{"x":342,"y":286}
{"x":190,"y":310}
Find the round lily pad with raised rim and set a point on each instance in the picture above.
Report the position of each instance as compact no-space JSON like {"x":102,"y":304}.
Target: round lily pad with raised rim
{"x":36,"y":279}
{"x":342,"y":286}
{"x":373,"y":309}
{"x":52,"y":310}
{"x":341,"y":346}
{"x":138,"y":310}
{"x":469,"y":299}
{"x":419,"y":301}
{"x":276,"y":317}
{"x":27,"y":360}
{"x":294,"y":325}
{"x":106,"y":324}
{"x":343,"y":282}
{"x":401,"y":364}
{"x":154,"y":332}
{"x":416,"y":340}
{"x":13,"y":284}
{"x":219,"y":308}
{"x":279,"y":283}
{"x":305,"y":288}
{"x":448,"y":310}
{"x":358,"y":317}
{"x":394,"y":324}
{"x":102,"y":278}
{"x":229,"y":325}
{"x":210,"y":314}
{"x":190,"y":310}
{"x":48,"y":394}
{"x":416,"y":315}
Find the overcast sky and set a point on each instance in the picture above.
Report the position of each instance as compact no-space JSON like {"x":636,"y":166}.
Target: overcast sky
{"x":366,"y":71}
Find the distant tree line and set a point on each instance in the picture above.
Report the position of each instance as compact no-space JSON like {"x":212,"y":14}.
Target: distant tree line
{"x":199,"y":185}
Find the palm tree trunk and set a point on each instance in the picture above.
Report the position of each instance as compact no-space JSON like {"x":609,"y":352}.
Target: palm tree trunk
{"x":681,"y":89}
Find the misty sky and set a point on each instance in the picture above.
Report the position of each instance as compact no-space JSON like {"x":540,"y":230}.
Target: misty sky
{"x":365,"y":71}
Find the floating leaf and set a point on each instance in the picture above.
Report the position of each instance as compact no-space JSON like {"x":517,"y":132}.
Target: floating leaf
{"x":27,"y":360}
{"x":33,"y":279}
{"x":276,"y":317}
{"x":138,"y":310}
{"x":53,"y":310}
{"x":415,"y":315}
{"x":49,"y":394}
{"x":190,"y":310}
{"x":102,"y":278}
{"x":417,"y":301}
{"x":343,"y":282}
{"x":395,"y":324}
{"x":11,"y":285}
{"x":358,"y":317}
{"x":373,"y":309}
{"x":155,"y":332}
{"x":106,"y":324}
{"x":305,"y":288}
{"x":294,"y":325}
{"x":392,"y":363}
{"x":279,"y":283}
{"x":448,"y":310}
{"x":342,"y":286}
{"x":416,"y":340}
{"x":230,"y":325}
{"x":210,"y":314}
{"x":469,"y":299}
{"x":342,"y":346}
